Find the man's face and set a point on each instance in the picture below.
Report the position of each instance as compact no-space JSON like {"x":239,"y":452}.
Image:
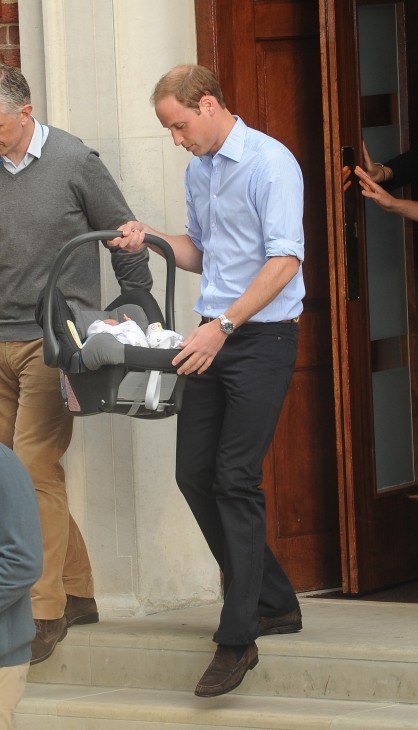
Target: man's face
{"x":195,"y":130}
{"x":14,"y":132}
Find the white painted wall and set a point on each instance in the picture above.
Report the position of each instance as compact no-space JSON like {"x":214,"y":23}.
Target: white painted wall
{"x":92,"y":66}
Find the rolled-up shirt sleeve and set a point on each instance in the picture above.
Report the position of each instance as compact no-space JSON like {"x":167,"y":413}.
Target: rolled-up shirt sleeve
{"x":278,"y":191}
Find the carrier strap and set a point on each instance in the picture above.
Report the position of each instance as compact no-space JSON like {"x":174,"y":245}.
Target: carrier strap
{"x":152,"y":394}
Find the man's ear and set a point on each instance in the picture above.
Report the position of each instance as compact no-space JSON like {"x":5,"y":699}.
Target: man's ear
{"x":26,"y":112}
{"x":208,"y":104}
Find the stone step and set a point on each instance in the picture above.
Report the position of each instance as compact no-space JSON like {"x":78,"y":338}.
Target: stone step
{"x":348,"y":650}
{"x":66,"y":707}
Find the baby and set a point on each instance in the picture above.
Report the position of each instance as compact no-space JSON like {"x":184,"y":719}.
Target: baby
{"x":129,"y":332}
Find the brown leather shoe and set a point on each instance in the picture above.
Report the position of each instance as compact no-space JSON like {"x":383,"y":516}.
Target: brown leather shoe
{"x":48,"y":633}
{"x":225,"y":672}
{"x":287,"y":624}
{"x":81,"y":611}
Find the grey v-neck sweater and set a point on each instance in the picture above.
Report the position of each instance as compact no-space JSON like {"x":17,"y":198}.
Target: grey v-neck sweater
{"x":66,"y":192}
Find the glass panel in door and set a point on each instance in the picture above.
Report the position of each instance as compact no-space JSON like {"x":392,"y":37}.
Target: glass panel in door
{"x":386,"y":258}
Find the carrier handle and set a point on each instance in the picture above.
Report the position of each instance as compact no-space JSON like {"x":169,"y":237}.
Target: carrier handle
{"x":51,"y":347}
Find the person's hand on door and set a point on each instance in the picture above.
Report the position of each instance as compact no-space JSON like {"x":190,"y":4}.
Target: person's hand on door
{"x":386,"y":201}
{"x":377,"y":171}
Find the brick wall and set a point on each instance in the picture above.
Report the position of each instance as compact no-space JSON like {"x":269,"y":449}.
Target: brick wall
{"x":9,"y":33}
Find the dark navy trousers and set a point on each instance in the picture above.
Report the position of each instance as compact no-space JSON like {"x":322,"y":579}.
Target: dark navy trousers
{"x":226,"y":424}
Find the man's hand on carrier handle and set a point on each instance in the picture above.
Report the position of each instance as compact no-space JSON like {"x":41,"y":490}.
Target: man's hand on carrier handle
{"x":133,"y":237}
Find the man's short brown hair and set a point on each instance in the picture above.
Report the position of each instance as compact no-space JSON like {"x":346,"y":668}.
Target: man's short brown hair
{"x":188,"y":84}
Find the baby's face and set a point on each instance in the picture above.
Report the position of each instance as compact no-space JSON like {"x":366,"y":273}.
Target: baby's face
{"x":112,"y":322}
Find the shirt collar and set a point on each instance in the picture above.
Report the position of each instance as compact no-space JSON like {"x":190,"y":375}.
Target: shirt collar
{"x":35,"y":145}
{"x":233,"y":147}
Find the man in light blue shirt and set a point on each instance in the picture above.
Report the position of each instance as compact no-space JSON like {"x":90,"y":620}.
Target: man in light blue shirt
{"x":245,"y":237}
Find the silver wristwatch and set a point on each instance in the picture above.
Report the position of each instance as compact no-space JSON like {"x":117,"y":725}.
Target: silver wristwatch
{"x":226,"y":325}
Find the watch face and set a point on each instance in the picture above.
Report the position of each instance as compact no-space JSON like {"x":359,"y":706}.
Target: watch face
{"x":226,"y":326}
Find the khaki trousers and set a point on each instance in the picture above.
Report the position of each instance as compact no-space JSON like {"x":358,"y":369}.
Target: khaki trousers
{"x":12,"y":686}
{"x":34,"y":423}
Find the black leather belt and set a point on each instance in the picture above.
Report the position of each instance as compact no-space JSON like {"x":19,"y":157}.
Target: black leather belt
{"x":205,"y":320}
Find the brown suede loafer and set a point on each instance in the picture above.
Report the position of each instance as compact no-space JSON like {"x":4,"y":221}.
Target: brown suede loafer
{"x":48,"y":633}
{"x":287,"y":624}
{"x":81,"y":611}
{"x":225,"y":672}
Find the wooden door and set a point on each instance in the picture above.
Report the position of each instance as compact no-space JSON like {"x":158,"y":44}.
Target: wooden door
{"x":266,"y":54}
{"x":367,"y":69}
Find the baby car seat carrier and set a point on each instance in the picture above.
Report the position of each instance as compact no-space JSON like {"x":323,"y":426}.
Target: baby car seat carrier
{"x":103,"y":375}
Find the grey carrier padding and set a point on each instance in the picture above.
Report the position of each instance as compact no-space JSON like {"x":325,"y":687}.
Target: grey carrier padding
{"x":148,"y":387}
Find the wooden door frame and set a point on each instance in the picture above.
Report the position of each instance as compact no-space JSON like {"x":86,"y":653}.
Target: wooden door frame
{"x":339,"y":325}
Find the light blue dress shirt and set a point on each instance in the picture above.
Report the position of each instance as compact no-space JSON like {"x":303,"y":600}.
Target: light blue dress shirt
{"x":39,"y":137}
{"x":245,"y":205}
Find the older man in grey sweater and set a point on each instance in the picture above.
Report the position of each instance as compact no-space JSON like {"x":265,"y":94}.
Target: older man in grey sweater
{"x":52,"y":188}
